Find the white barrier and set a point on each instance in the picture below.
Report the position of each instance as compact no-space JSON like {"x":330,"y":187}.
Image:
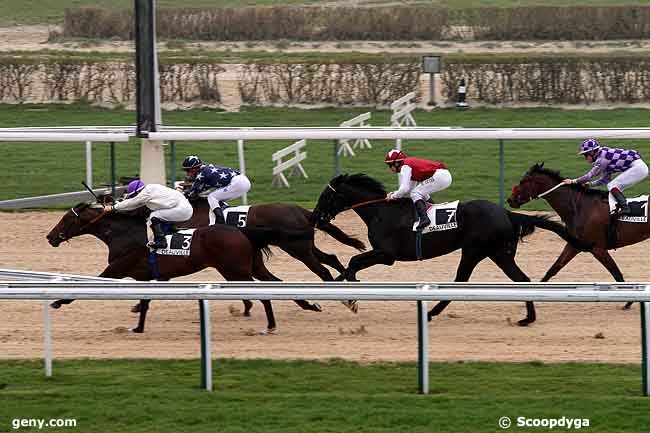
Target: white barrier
{"x":402,"y":109}
{"x":279,"y":179}
{"x":361,"y":143}
{"x":385,"y":291}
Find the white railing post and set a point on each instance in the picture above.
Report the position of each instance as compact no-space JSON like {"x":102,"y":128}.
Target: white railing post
{"x":645,"y":347}
{"x":206,"y":350}
{"x":47,"y":339}
{"x":89,"y":164}
{"x":242,"y":166}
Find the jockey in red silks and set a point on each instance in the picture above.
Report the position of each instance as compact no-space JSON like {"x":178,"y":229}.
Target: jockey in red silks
{"x":606,"y":161}
{"x":418,"y":179}
{"x":167,"y":206}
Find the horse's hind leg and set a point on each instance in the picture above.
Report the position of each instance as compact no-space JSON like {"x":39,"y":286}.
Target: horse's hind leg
{"x":262,"y":273}
{"x":468,"y":261}
{"x":144,"y":307}
{"x":506,"y":262}
{"x":606,"y":260}
{"x":57,"y":304}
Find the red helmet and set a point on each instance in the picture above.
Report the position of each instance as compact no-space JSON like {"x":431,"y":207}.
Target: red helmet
{"x":394,"y":156}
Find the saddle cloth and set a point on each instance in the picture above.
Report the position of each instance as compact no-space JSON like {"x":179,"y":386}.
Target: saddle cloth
{"x":442,"y":216}
{"x":236,"y":215}
{"x":178,"y":243}
{"x":639,"y":207}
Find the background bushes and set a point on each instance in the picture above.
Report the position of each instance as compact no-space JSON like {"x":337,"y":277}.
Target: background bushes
{"x":491,"y":80}
{"x":371,"y":23}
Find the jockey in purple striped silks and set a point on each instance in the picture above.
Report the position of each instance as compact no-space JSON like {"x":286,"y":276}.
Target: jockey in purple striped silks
{"x":606,"y":161}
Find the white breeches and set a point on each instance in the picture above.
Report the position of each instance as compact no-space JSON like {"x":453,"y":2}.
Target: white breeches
{"x":440,"y":180}
{"x":179,"y":213}
{"x":633,"y":175}
{"x":239,"y":186}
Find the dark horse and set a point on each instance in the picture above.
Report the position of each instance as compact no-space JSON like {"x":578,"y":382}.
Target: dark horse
{"x":584,"y":211}
{"x":484,"y":230}
{"x":221,"y":247}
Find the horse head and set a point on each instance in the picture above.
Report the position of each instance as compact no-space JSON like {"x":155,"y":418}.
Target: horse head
{"x":534,"y":182}
{"x":75,"y":222}
{"x":343,"y":192}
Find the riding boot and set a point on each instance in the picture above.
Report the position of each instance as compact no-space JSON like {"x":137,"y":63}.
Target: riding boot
{"x":421,"y":208}
{"x":621,"y":203}
{"x":218,"y":215}
{"x":159,"y":242}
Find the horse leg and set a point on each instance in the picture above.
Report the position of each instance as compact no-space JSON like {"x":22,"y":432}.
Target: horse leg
{"x":603,"y":256}
{"x":506,"y":262}
{"x":248,"y":305}
{"x":468,"y":261}
{"x":567,"y":254}
{"x":144,"y":307}
{"x":262,"y":273}
{"x":57,"y":304}
{"x":329,"y":259}
{"x":271,"y":326}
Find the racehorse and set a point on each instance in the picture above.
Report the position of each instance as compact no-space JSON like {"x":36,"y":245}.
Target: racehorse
{"x":281,"y":218}
{"x":484,"y":230}
{"x":221,"y":247}
{"x":586,"y":214}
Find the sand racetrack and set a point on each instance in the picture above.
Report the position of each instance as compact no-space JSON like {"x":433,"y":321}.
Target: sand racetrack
{"x":381,"y":330}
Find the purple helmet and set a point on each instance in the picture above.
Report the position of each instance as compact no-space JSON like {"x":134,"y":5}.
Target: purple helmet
{"x":589,"y":145}
{"x":135,"y":186}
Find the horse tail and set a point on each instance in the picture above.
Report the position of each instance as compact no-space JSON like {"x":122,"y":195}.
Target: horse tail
{"x":337,"y":233}
{"x":525,"y":225}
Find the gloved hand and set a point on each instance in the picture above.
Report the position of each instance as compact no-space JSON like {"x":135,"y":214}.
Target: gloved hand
{"x":108,"y":208}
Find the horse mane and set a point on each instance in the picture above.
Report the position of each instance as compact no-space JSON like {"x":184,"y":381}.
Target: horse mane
{"x":557,"y":177}
{"x":360,"y":180}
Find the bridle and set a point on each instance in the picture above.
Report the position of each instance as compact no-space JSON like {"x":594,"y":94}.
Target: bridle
{"x":62,"y":236}
{"x":357,"y":205}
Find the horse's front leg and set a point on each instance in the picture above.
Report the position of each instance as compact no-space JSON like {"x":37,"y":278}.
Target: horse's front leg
{"x":143,"y":308}
{"x":603,"y":256}
{"x":360,"y":262}
{"x":567,"y":254}
{"x":57,"y":304}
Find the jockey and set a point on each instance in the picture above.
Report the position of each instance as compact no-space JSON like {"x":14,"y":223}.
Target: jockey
{"x":218,"y":183}
{"x":606,"y":161}
{"x":167,"y":206}
{"x":418,"y":179}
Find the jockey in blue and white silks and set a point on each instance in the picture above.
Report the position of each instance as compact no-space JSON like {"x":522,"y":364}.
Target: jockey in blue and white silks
{"x":166,"y":204}
{"x":217,"y":183}
{"x":607,"y":161}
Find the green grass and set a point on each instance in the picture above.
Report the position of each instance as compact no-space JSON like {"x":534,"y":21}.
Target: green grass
{"x":51,"y":11}
{"x":131,"y":396}
{"x":46,"y":168}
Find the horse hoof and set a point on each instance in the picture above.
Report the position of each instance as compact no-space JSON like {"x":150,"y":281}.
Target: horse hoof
{"x":340,"y":278}
{"x":352,"y":305}
{"x":524,"y":322}
{"x":269,"y":331}
{"x":137,"y":330}
{"x":429,"y":317}
{"x":247,"y":314}
{"x":135,"y":308}
{"x":55,"y":305}
{"x":317,"y":308}
{"x":627,"y":306}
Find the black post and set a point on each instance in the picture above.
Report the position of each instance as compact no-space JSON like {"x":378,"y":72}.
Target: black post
{"x":113,"y":171}
{"x":145,"y":66}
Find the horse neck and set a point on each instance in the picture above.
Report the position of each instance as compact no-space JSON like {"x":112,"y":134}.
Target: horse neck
{"x":368,"y":212}
{"x":563,"y":201}
{"x":120,"y":233}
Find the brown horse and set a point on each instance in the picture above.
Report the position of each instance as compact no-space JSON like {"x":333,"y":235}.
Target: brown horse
{"x":221,"y":247}
{"x":264,"y":220}
{"x":584,"y":211}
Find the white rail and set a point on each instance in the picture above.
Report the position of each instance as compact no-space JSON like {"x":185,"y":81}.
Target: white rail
{"x":39,"y":287}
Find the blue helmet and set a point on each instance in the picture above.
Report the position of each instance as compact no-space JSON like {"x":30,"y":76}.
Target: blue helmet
{"x":192,"y":161}
{"x":135,"y":186}
{"x":589,"y":145}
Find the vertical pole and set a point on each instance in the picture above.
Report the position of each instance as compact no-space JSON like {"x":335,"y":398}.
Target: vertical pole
{"x":113,"y":172}
{"x":337,"y":168}
{"x":172,"y":163}
{"x":89,"y":164}
{"x":47,"y":339}
{"x":432,"y":89}
{"x":398,"y":144}
{"x":502,"y":175}
{"x":206,"y":352}
{"x":242,"y":165}
{"x":645,"y":348}
{"x":423,"y":348}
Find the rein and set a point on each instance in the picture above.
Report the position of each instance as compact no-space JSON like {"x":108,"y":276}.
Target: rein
{"x":92,"y":221}
{"x":363,"y":203}
{"x":548,"y":191}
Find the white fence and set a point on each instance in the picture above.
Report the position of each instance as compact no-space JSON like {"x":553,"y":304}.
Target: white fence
{"x":361,"y":143}
{"x":387,"y":291}
{"x":293,"y":163}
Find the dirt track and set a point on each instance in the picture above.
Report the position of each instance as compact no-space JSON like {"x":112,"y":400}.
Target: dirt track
{"x":381,"y":330}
